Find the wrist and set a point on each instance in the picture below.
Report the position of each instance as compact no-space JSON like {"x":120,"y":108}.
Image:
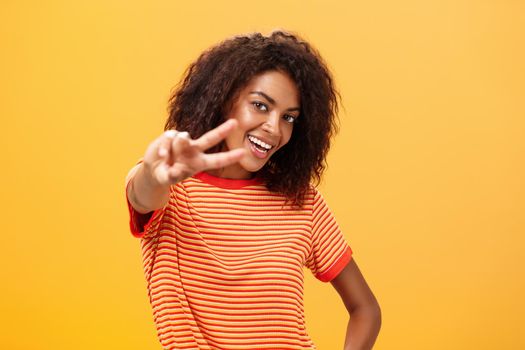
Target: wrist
{"x":146,"y":194}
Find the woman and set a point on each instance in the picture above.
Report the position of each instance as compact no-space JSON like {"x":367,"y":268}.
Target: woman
{"x":225,"y":209}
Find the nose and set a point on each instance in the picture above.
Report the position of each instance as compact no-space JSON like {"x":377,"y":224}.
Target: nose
{"x":271,"y":125}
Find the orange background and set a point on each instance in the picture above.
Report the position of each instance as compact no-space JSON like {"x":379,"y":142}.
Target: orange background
{"x":426,"y":177}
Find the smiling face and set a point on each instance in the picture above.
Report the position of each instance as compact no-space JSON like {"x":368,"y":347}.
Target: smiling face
{"x":265,"y":109}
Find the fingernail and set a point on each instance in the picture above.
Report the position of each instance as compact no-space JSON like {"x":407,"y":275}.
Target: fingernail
{"x":184,"y":134}
{"x":162,"y":152}
{"x":170,"y":133}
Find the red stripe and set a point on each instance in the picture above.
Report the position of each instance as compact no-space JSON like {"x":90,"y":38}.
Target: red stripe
{"x":225,"y":268}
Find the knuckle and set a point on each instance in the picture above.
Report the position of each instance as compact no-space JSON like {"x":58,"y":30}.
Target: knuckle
{"x":170,"y":133}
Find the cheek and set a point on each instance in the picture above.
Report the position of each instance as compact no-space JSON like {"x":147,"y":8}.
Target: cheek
{"x":235,"y":138}
{"x":239,"y":113}
{"x":246,"y":120}
{"x":242,"y":125}
{"x":286,"y":136}
{"x":287,"y":133}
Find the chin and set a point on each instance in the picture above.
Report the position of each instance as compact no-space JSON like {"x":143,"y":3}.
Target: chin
{"x":251,"y":166}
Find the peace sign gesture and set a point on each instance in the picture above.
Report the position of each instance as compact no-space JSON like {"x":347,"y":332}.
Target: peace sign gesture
{"x":173,"y":157}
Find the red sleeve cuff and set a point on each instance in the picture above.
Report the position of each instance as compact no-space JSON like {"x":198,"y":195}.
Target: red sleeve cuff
{"x":337,"y":267}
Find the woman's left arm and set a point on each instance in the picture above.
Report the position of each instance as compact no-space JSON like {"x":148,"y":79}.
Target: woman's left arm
{"x":362,"y":306}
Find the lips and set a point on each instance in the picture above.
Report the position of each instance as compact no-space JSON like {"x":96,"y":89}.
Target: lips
{"x":259,"y":143}
{"x":259,"y":148}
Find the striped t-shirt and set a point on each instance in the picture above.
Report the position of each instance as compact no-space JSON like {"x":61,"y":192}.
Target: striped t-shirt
{"x":224,"y":263}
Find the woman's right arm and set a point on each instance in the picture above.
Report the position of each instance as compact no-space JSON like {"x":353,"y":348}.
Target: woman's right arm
{"x":173,"y":157}
{"x":144,"y":194}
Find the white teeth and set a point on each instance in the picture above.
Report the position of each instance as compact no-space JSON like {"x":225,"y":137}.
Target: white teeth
{"x":259,"y":142}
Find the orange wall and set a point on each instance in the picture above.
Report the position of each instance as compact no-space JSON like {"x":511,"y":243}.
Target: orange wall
{"x":426,"y":177}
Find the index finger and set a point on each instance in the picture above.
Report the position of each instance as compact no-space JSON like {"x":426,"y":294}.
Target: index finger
{"x":214,"y":136}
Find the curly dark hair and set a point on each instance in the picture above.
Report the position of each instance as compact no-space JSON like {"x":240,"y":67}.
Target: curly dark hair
{"x":211,"y":84}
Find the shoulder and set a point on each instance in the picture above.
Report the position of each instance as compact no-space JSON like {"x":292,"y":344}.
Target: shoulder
{"x":313,"y":194}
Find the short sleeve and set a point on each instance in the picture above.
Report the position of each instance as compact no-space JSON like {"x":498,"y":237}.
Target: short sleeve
{"x":141,"y":225}
{"x":329,"y":251}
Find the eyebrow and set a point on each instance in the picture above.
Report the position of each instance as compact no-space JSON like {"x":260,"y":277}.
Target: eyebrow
{"x":272,"y":101}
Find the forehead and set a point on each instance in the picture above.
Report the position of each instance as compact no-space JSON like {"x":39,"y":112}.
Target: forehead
{"x":277,"y":85}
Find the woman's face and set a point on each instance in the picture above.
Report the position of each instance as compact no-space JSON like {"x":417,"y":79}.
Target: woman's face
{"x":265,"y":109}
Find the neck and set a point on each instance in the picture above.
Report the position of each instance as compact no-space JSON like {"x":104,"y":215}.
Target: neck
{"x":232,"y":172}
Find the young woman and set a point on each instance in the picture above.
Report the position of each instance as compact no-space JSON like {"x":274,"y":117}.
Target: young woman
{"x":225,"y":208}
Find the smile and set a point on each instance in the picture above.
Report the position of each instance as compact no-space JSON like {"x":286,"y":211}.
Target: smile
{"x":261,"y":145}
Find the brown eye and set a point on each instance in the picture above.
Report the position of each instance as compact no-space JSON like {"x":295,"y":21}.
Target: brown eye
{"x":260,"y":106}
{"x":289,"y":118}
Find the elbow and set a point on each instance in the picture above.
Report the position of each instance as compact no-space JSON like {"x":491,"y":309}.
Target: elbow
{"x":376,"y":314}
{"x":376,"y":317}
{"x":371,"y":311}
{"x":374,"y":310}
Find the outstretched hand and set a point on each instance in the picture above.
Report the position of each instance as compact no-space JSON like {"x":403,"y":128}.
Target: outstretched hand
{"x":174,"y":156}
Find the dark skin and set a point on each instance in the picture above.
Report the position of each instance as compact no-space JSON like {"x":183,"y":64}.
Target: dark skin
{"x":362,"y":307}
{"x":266,"y":108}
